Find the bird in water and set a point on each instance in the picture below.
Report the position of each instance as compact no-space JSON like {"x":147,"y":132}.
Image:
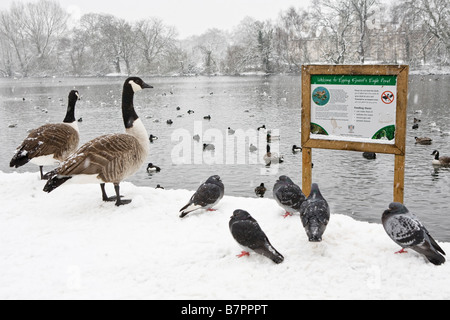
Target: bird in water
{"x":260,"y":190}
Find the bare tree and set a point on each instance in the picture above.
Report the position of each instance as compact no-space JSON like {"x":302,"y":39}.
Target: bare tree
{"x":363,"y":11}
{"x":13,"y":30}
{"x":156,"y":41}
{"x":436,"y":17}
{"x":292,"y":37}
{"x":44,"y":23}
{"x":334,"y":21}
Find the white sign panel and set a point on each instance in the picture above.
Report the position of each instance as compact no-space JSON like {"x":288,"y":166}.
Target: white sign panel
{"x":354,"y":107}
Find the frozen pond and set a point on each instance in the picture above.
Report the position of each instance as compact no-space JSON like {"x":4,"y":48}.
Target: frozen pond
{"x":352,"y":185}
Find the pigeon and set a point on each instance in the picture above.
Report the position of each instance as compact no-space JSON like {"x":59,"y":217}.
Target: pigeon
{"x":260,"y":190}
{"x":249,"y":235}
{"x":408,"y":232}
{"x":315,"y":214}
{"x":207,"y":196}
{"x":288,"y":195}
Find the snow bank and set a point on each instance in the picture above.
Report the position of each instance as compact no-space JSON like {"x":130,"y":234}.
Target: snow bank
{"x":71,"y":245}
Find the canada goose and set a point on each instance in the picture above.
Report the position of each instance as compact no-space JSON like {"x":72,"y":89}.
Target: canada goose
{"x":169,"y":121}
{"x":231,"y":131}
{"x":424,"y":141}
{"x":208,"y":117}
{"x":153,"y":168}
{"x":296,"y":149}
{"x":440,"y":161}
{"x":415,"y":126}
{"x":50,"y":144}
{"x":109,"y":158}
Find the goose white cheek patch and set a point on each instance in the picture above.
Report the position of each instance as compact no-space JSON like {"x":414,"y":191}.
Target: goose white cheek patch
{"x":135,"y":86}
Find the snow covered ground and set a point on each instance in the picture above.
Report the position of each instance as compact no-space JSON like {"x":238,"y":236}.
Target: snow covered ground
{"x":71,"y":245}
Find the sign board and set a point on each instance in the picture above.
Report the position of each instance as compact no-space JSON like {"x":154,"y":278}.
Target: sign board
{"x":357,"y":108}
{"x":354,"y":107}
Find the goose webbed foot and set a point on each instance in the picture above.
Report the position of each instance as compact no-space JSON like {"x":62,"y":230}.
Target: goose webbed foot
{"x":46,"y":176}
{"x":117,"y":198}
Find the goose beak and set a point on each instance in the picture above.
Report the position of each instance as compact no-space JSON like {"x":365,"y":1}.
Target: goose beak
{"x":146,"y":86}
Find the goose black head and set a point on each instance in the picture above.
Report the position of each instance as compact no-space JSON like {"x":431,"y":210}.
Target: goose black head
{"x":137,"y":84}
{"x":74,"y":95}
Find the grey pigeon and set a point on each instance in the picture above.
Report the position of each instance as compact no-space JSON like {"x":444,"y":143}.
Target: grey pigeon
{"x":408,"y":232}
{"x":288,"y":195}
{"x":249,"y":235}
{"x":207,"y":196}
{"x":315,"y":214}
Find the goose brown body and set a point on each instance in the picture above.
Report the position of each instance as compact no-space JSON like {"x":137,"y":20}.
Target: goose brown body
{"x":111,"y":158}
{"x":59,"y":140}
{"x":50,"y":144}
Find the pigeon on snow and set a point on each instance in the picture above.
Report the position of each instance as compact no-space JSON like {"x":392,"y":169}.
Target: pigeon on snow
{"x":407,"y":231}
{"x":206,"y":197}
{"x":315,"y":214}
{"x":249,"y":235}
{"x":288,"y":195}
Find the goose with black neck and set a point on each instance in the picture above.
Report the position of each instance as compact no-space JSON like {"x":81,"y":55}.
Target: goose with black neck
{"x":50,"y":144}
{"x":109,"y":158}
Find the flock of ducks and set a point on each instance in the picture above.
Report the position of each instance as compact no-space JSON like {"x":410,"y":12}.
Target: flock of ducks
{"x":437,"y":160}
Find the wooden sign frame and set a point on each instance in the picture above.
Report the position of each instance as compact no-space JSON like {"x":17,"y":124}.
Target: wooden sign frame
{"x":398,"y":148}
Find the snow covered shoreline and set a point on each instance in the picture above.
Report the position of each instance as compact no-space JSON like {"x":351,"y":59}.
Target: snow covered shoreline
{"x":71,"y":245}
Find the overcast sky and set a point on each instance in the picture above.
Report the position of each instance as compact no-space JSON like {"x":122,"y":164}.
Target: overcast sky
{"x":190,"y":17}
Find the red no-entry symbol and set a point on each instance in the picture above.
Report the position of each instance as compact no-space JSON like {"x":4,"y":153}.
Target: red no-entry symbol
{"x":387,"y":97}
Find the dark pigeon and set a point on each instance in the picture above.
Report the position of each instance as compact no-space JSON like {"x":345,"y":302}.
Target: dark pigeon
{"x":315,"y":214}
{"x":247,"y":232}
{"x":207,"y":196}
{"x":408,"y":232}
{"x":288,"y":195}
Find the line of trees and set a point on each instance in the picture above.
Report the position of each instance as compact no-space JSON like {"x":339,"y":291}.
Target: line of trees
{"x":36,"y":40}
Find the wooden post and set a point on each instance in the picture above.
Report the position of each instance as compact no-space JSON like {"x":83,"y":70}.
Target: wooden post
{"x":307,"y":171}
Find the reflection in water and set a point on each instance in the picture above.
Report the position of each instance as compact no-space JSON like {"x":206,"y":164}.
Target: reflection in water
{"x":352,"y":184}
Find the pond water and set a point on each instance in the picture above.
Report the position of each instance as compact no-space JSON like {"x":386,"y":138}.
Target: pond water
{"x":352,"y":185}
